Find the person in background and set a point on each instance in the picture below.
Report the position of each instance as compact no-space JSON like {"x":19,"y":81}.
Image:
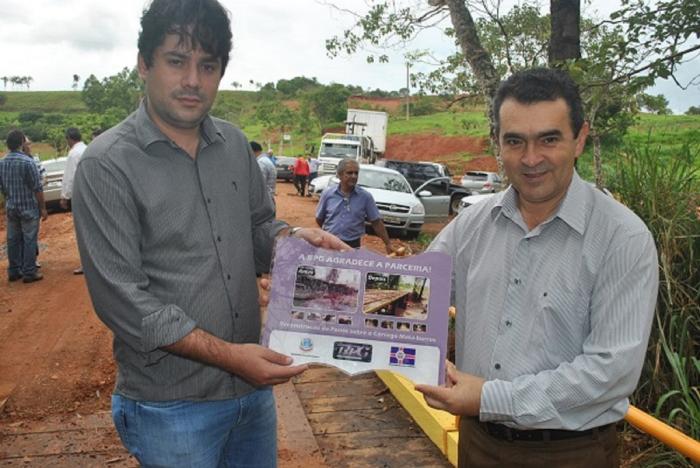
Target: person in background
{"x":343,"y":209}
{"x":21,"y":185}
{"x":301,"y":175}
{"x":173,"y":222}
{"x":313,"y":173}
{"x":267,"y":167}
{"x":27,"y":149}
{"x":555,"y":286}
{"x":76,"y":147}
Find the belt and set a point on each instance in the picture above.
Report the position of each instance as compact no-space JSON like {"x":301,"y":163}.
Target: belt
{"x":499,"y":431}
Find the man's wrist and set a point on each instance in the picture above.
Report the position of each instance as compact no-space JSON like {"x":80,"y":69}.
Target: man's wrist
{"x":293,"y":230}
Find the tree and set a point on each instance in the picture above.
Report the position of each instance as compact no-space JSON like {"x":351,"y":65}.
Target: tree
{"x":121,"y":91}
{"x":328,"y":104}
{"x":76,"y":81}
{"x":565,"y":40}
{"x":654,"y":104}
{"x":693,"y":110}
{"x":5,"y":79}
{"x":296,"y":85}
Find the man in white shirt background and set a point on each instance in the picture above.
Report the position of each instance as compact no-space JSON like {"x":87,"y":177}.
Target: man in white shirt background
{"x":76,"y":149}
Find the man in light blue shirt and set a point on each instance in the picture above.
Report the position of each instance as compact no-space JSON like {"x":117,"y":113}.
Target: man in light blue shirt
{"x":343,"y":208}
{"x":267,"y":167}
{"x":555,"y":285}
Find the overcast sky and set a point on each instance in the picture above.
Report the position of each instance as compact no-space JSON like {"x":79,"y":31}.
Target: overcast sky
{"x":51,"y":40}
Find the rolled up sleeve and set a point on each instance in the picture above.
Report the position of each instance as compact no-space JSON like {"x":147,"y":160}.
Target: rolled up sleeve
{"x":108,"y":232}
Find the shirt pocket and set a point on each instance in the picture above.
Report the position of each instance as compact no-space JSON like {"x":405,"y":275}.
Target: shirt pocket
{"x":561,"y":325}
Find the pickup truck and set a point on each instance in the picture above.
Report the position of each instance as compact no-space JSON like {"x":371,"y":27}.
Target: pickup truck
{"x":419,"y":172}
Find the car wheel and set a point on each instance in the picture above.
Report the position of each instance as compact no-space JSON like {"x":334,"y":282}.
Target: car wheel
{"x":412,"y":235}
{"x":454,"y":204}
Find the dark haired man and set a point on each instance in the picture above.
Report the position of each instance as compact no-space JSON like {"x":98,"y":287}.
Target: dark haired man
{"x":555,"y":285}
{"x":267,"y":168}
{"x":20,"y":184}
{"x":173,"y":222}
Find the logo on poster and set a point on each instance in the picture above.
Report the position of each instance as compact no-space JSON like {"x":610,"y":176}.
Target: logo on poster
{"x":306,"y":344}
{"x":352,"y":351}
{"x":400,"y":356}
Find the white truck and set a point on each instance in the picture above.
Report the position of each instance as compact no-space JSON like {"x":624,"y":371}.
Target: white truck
{"x":364,"y":140}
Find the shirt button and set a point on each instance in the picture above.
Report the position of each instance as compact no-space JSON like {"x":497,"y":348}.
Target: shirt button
{"x":497,"y":366}
{"x":508,"y":323}
{"x":228,"y":276}
{"x":517,"y":281}
{"x":218,"y":238}
{"x":236,"y":314}
{"x":208,"y":200}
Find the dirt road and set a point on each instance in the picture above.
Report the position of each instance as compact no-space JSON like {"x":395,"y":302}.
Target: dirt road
{"x":56,"y":362}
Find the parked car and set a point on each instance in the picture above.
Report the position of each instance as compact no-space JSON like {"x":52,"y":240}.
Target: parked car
{"x":419,"y":172}
{"x":53,"y":180}
{"x":482,"y":182}
{"x":402,"y":209}
{"x":472,"y":199}
{"x":285,"y":167}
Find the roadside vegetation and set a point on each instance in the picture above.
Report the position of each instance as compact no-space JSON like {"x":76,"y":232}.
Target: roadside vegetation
{"x":652,"y":164}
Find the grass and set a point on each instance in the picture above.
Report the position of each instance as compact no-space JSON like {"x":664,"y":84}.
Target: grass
{"x":470,"y":123}
{"x":43,"y":101}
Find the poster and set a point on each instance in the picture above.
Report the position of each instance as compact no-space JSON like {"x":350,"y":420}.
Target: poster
{"x":360,"y":311}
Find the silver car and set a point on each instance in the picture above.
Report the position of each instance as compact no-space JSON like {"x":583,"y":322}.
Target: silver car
{"x":53,"y":179}
{"x":482,"y":182}
{"x":401,"y":208}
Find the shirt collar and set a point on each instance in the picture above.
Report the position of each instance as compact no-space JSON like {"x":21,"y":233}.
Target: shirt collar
{"x":572,"y":210}
{"x":147,"y":132}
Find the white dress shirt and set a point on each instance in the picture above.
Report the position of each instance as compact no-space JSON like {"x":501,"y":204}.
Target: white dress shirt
{"x":557,"y":318}
{"x":71,"y":165}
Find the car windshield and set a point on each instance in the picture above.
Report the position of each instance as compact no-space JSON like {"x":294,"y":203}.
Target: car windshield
{"x":384,"y":181}
{"x":54,"y":165}
{"x":338,"y":150}
{"x":475,"y":176}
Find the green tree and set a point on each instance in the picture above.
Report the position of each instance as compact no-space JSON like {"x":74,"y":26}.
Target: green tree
{"x":328,"y":104}
{"x":657,"y":104}
{"x":693,"y":110}
{"x":120,"y":91}
{"x":296,"y":85}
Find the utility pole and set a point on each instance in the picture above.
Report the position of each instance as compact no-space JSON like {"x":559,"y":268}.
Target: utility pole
{"x":408,"y":91}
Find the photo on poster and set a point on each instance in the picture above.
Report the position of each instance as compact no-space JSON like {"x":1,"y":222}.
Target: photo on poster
{"x":326,"y":288}
{"x":402,"y":296}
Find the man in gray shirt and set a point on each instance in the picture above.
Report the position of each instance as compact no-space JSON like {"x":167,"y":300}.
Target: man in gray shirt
{"x":173,"y":221}
{"x":555,"y":286}
{"x":267,"y":167}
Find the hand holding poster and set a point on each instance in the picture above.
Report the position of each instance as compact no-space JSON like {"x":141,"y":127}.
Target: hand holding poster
{"x":360,"y":311}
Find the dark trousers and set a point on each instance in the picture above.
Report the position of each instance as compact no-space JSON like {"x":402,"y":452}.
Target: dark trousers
{"x":300,"y":184}
{"x":355,"y":244}
{"x":477,"y":448}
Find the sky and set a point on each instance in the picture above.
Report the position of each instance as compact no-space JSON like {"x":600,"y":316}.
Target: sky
{"x":52,"y":40}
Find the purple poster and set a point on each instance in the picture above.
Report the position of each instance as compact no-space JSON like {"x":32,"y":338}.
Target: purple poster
{"x":360,"y":311}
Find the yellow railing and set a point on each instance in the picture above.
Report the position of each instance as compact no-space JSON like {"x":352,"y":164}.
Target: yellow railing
{"x":673,"y":438}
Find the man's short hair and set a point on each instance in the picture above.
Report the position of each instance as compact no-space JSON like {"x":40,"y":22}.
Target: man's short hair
{"x":203,"y":23}
{"x":255,"y":146}
{"x":15,"y":139}
{"x":73,"y":134}
{"x":537,"y":85}
{"x":344,"y":163}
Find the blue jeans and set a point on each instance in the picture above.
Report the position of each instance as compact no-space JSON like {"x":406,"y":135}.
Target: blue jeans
{"x":22,"y":232}
{"x":239,"y":432}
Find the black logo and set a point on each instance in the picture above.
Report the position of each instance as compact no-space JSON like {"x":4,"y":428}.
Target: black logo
{"x":352,"y":351}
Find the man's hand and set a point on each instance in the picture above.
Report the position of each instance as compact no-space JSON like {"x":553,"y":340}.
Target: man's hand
{"x":44,"y":214}
{"x":64,"y":203}
{"x":261,"y":366}
{"x":389,"y":248}
{"x":461,"y":394}
{"x":320,"y":238}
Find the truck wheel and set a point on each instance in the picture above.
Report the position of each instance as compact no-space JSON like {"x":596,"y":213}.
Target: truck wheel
{"x":454,"y":203}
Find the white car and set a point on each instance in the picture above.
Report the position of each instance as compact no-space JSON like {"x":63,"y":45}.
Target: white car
{"x":472,"y":199}
{"x":401,"y":208}
{"x":53,"y":179}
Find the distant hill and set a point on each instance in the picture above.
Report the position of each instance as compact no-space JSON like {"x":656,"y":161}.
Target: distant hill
{"x":43,"y":101}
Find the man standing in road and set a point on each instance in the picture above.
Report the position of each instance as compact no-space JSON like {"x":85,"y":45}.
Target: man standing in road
{"x":173,"y":221}
{"x":301,"y":174}
{"x":343,"y":208}
{"x":20,"y":184}
{"x":555,"y":286}
{"x":267,"y":167}
{"x":76,"y":146}
{"x":313,"y":173}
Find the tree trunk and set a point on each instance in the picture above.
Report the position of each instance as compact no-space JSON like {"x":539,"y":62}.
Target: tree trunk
{"x":565,"y":40}
{"x":597,"y":160}
{"x":477,"y":57}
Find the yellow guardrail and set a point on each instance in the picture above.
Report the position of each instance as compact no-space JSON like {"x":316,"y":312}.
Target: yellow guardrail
{"x":674,"y":438}
{"x":442,"y":427}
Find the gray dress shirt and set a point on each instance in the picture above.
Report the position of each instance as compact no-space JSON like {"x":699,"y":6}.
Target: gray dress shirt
{"x":169,"y":243}
{"x":556,"y":319}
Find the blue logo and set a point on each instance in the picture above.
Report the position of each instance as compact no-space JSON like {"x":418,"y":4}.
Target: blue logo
{"x":306,"y":344}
